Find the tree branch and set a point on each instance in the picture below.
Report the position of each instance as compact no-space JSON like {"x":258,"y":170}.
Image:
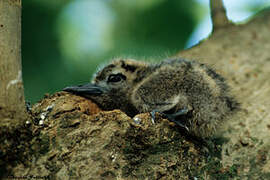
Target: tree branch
{"x":12,"y":102}
{"x":218,"y":14}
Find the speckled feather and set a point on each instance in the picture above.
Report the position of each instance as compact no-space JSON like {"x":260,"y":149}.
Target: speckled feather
{"x":168,"y":86}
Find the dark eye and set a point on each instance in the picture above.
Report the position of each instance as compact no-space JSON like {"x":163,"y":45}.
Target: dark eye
{"x":116,"y":77}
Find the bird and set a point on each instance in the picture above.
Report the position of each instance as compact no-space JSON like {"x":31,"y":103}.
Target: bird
{"x":189,"y":93}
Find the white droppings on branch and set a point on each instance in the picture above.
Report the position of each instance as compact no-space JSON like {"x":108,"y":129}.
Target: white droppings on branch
{"x":137,"y":120}
{"x":41,"y":122}
{"x":50,"y":107}
{"x":43,"y":115}
{"x":15,"y":81}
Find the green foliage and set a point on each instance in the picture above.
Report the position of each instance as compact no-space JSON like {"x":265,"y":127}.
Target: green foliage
{"x":54,"y":53}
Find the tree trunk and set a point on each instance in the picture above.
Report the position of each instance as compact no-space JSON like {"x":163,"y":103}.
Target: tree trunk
{"x":12,"y":104}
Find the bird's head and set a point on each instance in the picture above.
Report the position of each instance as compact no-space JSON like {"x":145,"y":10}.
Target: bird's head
{"x":119,"y":75}
{"x":111,"y":86}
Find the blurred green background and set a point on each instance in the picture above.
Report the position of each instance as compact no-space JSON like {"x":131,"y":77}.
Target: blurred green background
{"x":63,"y":42}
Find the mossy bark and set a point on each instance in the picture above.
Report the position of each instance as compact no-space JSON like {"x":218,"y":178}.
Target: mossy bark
{"x":73,"y":138}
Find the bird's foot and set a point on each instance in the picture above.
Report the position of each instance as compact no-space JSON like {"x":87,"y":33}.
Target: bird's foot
{"x":171,"y":117}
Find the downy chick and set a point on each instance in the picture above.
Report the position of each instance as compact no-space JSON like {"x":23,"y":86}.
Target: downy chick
{"x":187,"y":92}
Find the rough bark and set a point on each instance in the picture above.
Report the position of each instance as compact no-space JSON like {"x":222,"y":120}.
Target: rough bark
{"x":12,"y":105}
{"x":71,"y":141}
{"x":73,"y":138}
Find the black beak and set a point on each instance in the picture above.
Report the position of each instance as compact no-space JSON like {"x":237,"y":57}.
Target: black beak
{"x":86,"y":89}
